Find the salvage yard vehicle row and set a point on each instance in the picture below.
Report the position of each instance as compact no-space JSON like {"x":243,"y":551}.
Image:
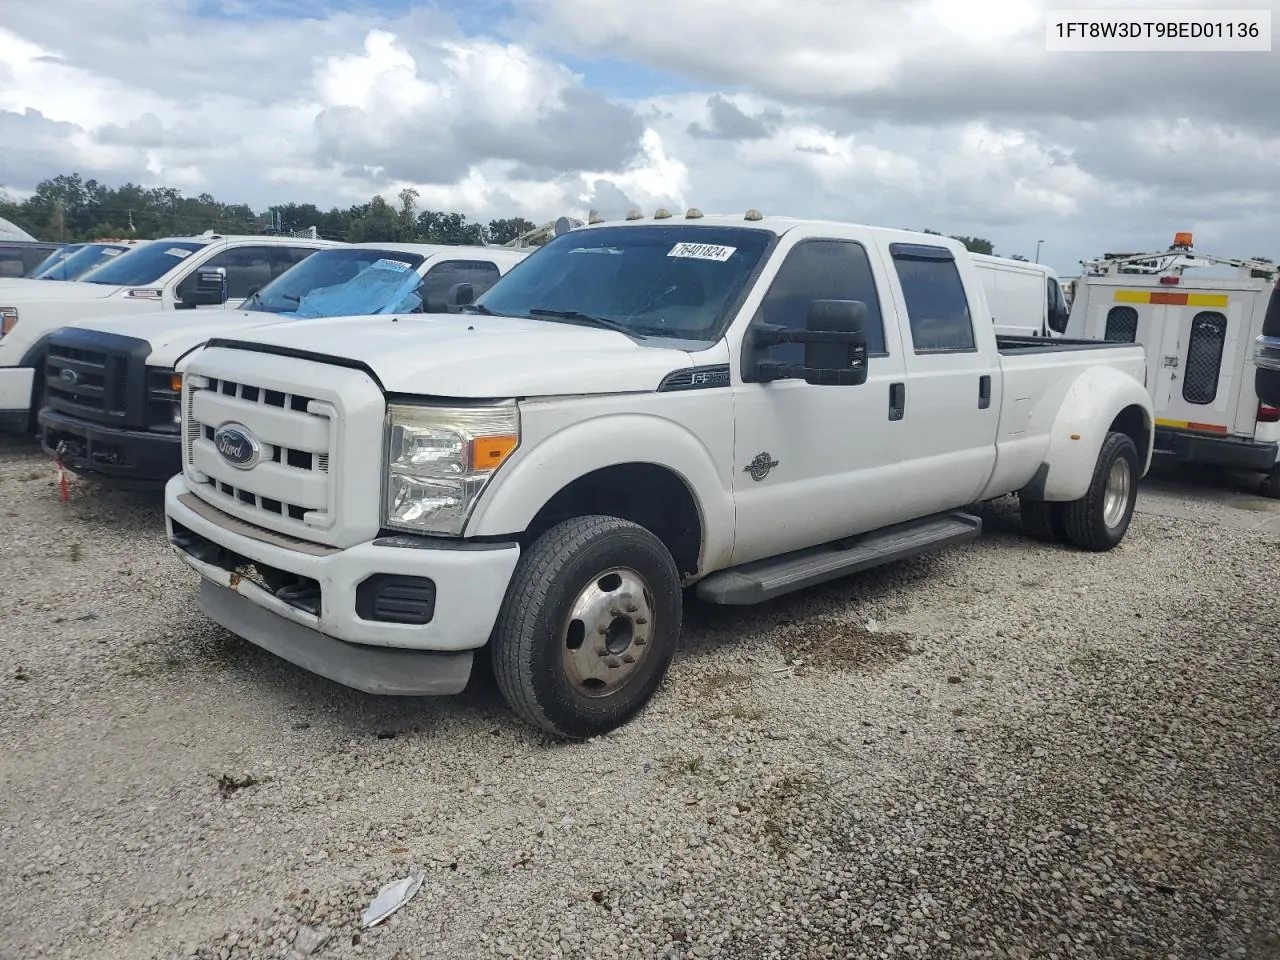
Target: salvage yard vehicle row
{"x":111,"y":408}
{"x":173,"y":273}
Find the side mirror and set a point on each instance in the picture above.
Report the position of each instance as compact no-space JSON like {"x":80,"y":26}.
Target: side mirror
{"x":835,"y":346}
{"x":459,"y":295}
{"x":839,"y":357}
{"x":209,"y":290}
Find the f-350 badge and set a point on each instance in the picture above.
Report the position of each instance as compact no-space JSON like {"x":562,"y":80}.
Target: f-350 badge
{"x":759,"y":467}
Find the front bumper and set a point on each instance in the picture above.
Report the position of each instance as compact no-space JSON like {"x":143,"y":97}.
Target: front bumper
{"x":1238,"y":453}
{"x":15,"y":398}
{"x":131,"y":457}
{"x":314,"y":620}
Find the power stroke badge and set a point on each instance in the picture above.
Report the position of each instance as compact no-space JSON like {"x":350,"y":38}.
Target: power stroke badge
{"x":759,"y":467}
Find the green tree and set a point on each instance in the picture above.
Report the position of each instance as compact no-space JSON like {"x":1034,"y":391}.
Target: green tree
{"x":378,"y":222}
{"x":506,"y":230}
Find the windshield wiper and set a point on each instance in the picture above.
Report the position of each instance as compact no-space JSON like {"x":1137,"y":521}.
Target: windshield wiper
{"x":585,"y":318}
{"x":477,"y":308}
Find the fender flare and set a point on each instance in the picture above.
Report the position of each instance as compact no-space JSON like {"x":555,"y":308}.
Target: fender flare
{"x":1090,"y":406}
{"x":35,"y":352}
{"x":34,"y":358}
{"x":524,"y":485}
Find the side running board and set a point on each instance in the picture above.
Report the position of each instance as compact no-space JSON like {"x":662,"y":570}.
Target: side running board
{"x":766,"y":579}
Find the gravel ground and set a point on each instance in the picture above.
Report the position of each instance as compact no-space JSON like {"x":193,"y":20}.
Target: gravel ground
{"x":1006,"y":750}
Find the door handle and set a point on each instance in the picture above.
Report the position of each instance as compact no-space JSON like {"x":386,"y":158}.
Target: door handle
{"x":897,"y":400}
{"x":984,"y":391}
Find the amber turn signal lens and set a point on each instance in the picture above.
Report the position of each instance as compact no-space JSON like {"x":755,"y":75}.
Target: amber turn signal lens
{"x":487,"y":453}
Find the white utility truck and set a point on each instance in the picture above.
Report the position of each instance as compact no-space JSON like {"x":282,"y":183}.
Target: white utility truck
{"x":744,"y":405}
{"x":110,"y":409}
{"x":1026,"y":299}
{"x":1198,"y":331}
{"x":175,"y":273}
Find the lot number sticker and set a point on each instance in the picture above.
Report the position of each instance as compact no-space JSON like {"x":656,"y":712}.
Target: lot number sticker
{"x":178,"y":252}
{"x":386,"y":264}
{"x":702,"y":251}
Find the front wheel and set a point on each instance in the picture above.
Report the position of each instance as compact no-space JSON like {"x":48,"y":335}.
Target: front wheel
{"x":1099,"y":519}
{"x":588,"y":626}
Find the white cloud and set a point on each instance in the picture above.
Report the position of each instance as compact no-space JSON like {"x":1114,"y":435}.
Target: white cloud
{"x":905,"y":112}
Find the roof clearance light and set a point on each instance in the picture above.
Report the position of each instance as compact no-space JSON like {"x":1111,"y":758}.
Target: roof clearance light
{"x":594,"y":217}
{"x":693,"y":213}
{"x":1170,"y":281}
{"x":1182,"y":239}
{"x":754,"y":215}
{"x":634,"y":214}
{"x":662,"y":213}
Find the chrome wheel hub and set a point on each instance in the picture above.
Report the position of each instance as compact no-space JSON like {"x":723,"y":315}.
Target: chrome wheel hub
{"x":607,"y":633}
{"x":1116,"y":495}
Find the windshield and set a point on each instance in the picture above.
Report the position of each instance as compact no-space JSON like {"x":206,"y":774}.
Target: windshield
{"x":82,"y":261}
{"x":677,"y":281}
{"x":146,"y":265}
{"x":337,"y":283}
{"x":53,"y":259}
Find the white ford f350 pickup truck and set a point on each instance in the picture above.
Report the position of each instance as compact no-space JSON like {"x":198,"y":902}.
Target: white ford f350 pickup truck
{"x":745,"y":406}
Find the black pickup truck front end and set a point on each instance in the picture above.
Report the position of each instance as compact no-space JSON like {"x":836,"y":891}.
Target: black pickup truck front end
{"x":106,"y":414}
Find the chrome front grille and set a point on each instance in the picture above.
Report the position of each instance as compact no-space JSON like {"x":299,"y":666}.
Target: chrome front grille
{"x":289,"y":487}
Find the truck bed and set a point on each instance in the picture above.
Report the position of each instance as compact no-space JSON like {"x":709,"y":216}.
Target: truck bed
{"x":1027,"y":345}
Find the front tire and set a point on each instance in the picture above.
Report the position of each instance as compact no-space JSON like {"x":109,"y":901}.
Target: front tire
{"x":1098,"y":520}
{"x":588,"y":627}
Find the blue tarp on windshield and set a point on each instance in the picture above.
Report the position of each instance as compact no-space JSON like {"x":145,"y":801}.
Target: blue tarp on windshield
{"x":387,"y":286}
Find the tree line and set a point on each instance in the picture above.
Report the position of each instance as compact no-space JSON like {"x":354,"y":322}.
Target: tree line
{"x":70,"y":209}
{"x":67,"y":208}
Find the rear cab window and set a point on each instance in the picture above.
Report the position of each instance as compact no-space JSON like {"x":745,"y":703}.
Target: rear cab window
{"x":937,"y":305}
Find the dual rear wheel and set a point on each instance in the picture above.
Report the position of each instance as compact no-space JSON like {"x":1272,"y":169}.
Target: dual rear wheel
{"x":1098,"y":520}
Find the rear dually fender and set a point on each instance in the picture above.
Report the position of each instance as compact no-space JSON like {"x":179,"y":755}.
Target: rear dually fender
{"x":1100,"y":400}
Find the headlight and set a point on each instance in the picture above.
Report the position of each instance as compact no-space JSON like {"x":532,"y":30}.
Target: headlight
{"x":8,"y":319}
{"x":439,"y":460}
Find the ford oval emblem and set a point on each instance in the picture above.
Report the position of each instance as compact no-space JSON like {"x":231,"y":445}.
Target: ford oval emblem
{"x":236,"y":445}
{"x":69,"y":377}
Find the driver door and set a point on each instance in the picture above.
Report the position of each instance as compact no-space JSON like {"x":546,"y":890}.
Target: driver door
{"x":816,"y":463}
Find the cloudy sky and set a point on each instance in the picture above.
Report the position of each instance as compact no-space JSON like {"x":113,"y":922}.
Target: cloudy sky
{"x":946,"y":114}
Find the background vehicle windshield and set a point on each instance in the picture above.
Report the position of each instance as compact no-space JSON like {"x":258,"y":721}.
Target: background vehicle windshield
{"x":53,"y":259}
{"x":88,"y":257}
{"x":677,"y":281}
{"x":322,"y":270}
{"x":146,"y":265}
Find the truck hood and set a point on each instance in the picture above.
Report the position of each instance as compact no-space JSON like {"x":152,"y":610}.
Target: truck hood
{"x":171,"y":333}
{"x":474,"y":356}
{"x":18,"y":290}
